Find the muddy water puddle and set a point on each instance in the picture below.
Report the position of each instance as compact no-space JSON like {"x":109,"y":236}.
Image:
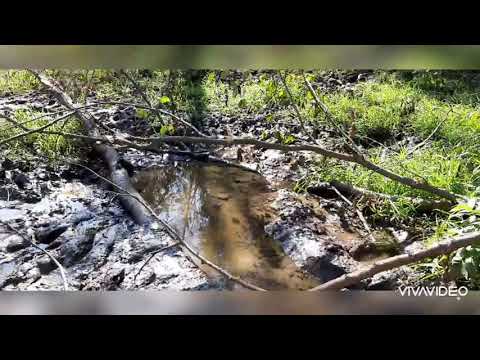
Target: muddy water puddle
{"x":221,"y":211}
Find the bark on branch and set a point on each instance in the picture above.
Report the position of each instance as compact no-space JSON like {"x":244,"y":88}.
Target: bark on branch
{"x":118,"y":174}
{"x":348,"y":189}
{"x":442,"y":248}
{"x":154,"y":144}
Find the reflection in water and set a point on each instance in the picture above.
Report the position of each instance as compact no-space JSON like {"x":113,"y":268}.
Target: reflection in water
{"x":220,"y":211}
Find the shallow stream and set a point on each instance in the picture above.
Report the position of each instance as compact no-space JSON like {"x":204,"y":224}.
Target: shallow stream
{"x":220,"y":211}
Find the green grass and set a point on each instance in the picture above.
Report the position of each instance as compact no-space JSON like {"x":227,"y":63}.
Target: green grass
{"x":46,"y":144}
{"x":395,"y":108}
{"x":435,"y":165}
{"x":17,"y":82}
{"x":442,"y":108}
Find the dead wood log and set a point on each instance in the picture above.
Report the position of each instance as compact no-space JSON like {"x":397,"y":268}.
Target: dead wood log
{"x":444,"y":247}
{"x":423,"y":205}
{"x":110,"y":156}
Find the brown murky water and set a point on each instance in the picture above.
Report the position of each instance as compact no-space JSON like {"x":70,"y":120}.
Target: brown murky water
{"x":220,"y":211}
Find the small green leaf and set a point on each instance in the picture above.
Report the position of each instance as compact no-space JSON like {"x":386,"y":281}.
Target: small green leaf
{"x":264,"y":135}
{"x":142,"y":113}
{"x":289,"y":139}
{"x":462,"y":207}
{"x":164,"y":100}
{"x":167,"y":130}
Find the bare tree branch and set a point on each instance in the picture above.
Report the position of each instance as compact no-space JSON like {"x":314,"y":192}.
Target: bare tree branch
{"x":154,"y":143}
{"x":137,"y":87}
{"x":362,"y":160}
{"x":442,"y":248}
{"x":32,"y":131}
{"x":419,"y":203}
{"x":295,"y":107}
{"x":110,"y":156}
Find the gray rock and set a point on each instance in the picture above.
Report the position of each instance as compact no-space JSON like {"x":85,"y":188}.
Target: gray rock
{"x":7,"y":269}
{"x":48,"y":234}
{"x":16,"y":242}
{"x":103,"y":243}
{"x":45,"y":264}
{"x":21,"y":180}
{"x":81,"y":216}
{"x":10,"y":214}
{"x":75,"y":249}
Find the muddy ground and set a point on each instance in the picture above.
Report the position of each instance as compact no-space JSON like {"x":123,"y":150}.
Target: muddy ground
{"x":77,"y":218}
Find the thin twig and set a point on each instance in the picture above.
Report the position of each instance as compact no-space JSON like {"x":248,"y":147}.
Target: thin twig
{"x":19,"y":124}
{"x":60,"y":267}
{"x":136,"y":86}
{"x":152,"y":255}
{"x":175,"y":235}
{"x":41,"y":128}
{"x":295,"y":107}
{"x":418,"y":146}
{"x":141,"y":92}
{"x":186,"y":123}
{"x":359,"y":213}
{"x":14,"y":124}
{"x":329,"y":116}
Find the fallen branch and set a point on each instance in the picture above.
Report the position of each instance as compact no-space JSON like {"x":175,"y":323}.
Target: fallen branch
{"x":154,"y":144}
{"x":110,"y":156}
{"x":442,"y":248}
{"x":408,"y":181}
{"x":32,"y":243}
{"x":355,"y":158}
{"x":32,"y":131}
{"x":419,"y":203}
